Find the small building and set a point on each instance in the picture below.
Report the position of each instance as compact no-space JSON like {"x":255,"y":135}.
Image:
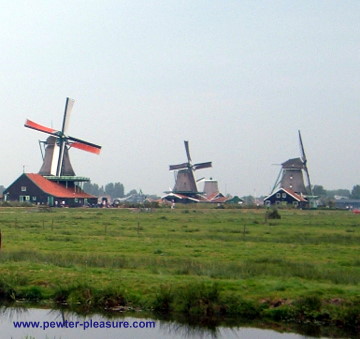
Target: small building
{"x":347,"y":204}
{"x":235,"y":200}
{"x":286,"y":197}
{"x":135,"y":198}
{"x":36,"y":189}
{"x":210,"y":187}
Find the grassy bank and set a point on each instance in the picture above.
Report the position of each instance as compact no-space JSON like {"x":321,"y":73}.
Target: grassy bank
{"x":302,"y":268}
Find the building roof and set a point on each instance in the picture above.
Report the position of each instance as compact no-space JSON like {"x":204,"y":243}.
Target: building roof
{"x":55,"y":189}
{"x":296,"y":196}
{"x":216,"y":197}
{"x":220,"y":199}
{"x":179,"y":196}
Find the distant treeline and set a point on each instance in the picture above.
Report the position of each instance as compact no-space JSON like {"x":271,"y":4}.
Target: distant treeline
{"x":114,"y":190}
{"x":321,"y":192}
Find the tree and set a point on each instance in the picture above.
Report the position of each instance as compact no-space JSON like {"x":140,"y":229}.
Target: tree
{"x":115,"y":190}
{"x":109,"y":189}
{"x":132,"y":192}
{"x":319,"y":191}
{"x":93,"y":189}
{"x":119,"y":190}
{"x":343,"y":192}
{"x":355,"y":192}
{"x":248,"y":200}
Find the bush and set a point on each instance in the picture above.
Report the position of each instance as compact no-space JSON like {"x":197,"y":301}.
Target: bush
{"x":239,"y":307}
{"x":273,"y":214}
{"x":197,"y":299}
{"x":7,"y":293}
{"x":308,"y":304}
{"x":34,"y":293}
{"x":110,"y":298}
{"x":163,"y":300}
{"x":283,"y":313}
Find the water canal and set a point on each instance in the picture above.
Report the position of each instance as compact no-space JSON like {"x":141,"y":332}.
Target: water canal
{"x":56,"y":324}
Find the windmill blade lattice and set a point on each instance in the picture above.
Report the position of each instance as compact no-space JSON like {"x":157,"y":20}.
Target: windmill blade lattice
{"x":304,"y":159}
{"x":177,"y":167}
{"x":202,"y":165}
{"x":38,"y":127}
{"x":187,"y":151}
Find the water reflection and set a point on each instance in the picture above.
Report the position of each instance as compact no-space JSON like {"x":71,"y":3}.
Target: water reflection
{"x":163,"y":328}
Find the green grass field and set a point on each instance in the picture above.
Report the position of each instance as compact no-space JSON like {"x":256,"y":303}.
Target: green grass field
{"x":304,"y":267}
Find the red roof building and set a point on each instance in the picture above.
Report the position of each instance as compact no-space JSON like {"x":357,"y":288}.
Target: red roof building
{"x":36,"y":189}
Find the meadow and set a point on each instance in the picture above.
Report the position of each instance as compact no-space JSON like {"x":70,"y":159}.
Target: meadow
{"x":199,"y":263}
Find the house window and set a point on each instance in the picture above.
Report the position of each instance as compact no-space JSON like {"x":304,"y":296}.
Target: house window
{"x":278,"y":195}
{"x":284,"y":195}
{"x":34,"y":198}
{"x":295,"y":203}
{"x":23,"y":188}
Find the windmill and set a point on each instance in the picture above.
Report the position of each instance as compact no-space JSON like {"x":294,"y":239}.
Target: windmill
{"x":56,"y":161}
{"x":185,"y":182}
{"x":291,"y":174}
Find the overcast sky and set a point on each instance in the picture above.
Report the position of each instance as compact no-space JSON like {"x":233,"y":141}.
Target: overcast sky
{"x":237,"y":79}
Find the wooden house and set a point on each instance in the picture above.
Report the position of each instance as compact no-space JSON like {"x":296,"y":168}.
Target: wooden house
{"x":286,"y":197}
{"x":36,"y":189}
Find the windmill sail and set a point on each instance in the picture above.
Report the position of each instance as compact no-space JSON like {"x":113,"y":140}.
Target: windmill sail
{"x":68,"y":108}
{"x":38,"y":127}
{"x":187,"y":150}
{"x":62,"y":142}
{"x":202,"y":165}
{"x":304,"y":159}
{"x":180,"y":166}
{"x":85,"y":146}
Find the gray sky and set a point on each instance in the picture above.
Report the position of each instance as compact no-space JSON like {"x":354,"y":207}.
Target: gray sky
{"x":235,"y":78}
